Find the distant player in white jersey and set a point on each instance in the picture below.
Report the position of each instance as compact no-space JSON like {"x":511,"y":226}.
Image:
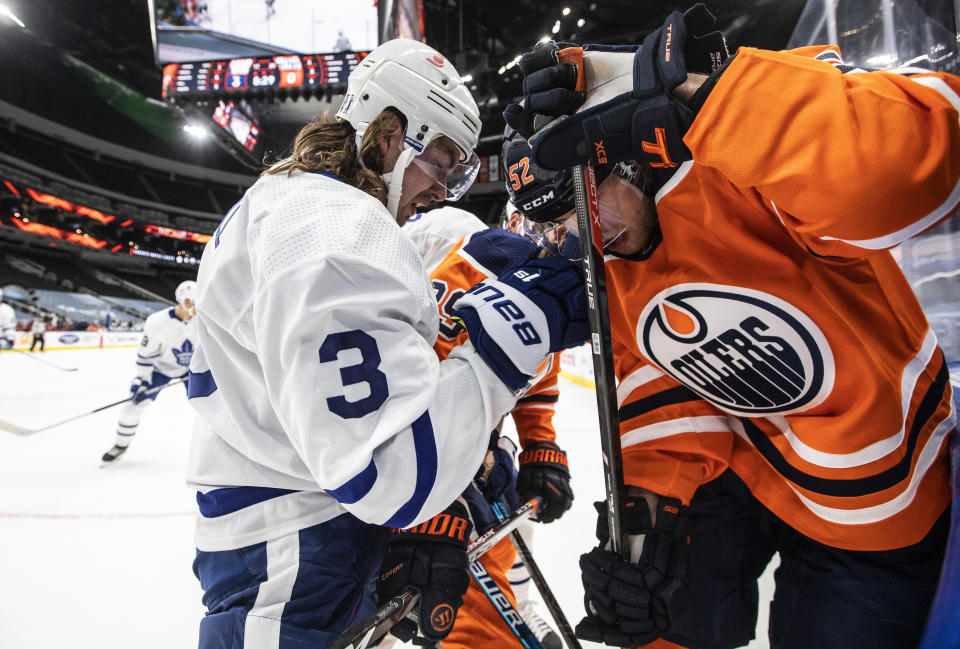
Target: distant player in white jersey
{"x":8,"y":325}
{"x":164,"y":354}
{"x":328,"y":426}
{"x":37,"y":328}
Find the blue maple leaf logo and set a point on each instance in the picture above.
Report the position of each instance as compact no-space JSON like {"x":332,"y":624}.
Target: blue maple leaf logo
{"x":184,"y":354}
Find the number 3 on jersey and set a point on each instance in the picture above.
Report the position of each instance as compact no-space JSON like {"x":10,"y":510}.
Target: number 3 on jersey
{"x":366,"y":371}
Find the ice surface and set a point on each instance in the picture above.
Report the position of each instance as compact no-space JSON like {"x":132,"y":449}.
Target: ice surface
{"x":97,"y":558}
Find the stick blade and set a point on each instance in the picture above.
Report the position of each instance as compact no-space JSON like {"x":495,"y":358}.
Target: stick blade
{"x":13,"y":428}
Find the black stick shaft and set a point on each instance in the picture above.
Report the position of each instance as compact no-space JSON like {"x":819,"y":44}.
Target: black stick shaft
{"x":545,"y":592}
{"x":591,"y":242}
{"x":29,"y":354}
{"x":96,"y":410}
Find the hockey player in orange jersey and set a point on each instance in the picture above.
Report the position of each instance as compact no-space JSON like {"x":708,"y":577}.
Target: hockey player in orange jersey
{"x":460,"y":251}
{"x":779,"y":387}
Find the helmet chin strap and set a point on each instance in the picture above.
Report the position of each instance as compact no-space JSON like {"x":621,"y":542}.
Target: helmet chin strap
{"x":394,"y":180}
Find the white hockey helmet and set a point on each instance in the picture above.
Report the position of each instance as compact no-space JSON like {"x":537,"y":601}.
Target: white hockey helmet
{"x":187,"y":291}
{"x":417,"y":81}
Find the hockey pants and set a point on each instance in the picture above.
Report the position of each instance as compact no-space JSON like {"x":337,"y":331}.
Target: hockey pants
{"x":826,"y":598}
{"x":299,"y":591}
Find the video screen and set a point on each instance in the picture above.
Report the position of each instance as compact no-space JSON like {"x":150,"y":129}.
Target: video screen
{"x":196,"y":30}
{"x":251,"y":73}
{"x":238,"y":123}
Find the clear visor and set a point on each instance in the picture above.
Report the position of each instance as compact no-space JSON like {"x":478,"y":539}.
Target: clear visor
{"x":455,"y":177}
{"x":552,"y":236}
{"x":548,"y":236}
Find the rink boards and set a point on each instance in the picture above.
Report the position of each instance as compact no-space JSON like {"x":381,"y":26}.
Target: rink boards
{"x":53,"y":340}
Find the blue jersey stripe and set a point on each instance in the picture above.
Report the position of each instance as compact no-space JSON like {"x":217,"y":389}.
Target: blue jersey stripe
{"x":231,"y":499}
{"x":425,"y":447}
{"x":356,"y":487}
{"x":540,"y":398}
{"x":200,"y":385}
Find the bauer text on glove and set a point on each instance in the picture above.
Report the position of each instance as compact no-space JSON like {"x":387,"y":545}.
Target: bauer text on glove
{"x":527,"y":313}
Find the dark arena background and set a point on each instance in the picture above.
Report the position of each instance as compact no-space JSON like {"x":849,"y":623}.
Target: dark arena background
{"x":128,"y":128}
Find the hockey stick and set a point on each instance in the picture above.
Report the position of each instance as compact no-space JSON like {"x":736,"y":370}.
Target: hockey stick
{"x":29,"y":354}
{"x":598,"y":313}
{"x":20,"y":430}
{"x":502,"y":604}
{"x":548,"y":598}
{"x":369,"y":630}
{"x":591,"y":243}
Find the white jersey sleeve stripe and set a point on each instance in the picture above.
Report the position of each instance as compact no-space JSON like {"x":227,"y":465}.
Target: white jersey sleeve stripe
{"x":634,"y":380}
{"x":704,"y":424}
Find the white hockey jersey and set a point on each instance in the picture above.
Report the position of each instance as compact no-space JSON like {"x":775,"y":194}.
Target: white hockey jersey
{"x":315,"y":379}
{"x":166,"y":346}
{"x":8,"y":320}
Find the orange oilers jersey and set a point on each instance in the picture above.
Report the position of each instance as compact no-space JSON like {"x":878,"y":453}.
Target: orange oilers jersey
{"x":769,"y":330}
{"x":459,"y":251}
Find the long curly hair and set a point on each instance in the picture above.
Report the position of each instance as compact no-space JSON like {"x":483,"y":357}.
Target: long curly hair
{"x":330,"y":145}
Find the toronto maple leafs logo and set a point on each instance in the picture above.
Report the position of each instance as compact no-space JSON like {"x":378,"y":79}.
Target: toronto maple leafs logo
{"x":183,"y":354}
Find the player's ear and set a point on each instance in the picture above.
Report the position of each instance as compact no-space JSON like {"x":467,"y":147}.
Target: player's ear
{"x":390,"y":138}
{"x":389,"y":144}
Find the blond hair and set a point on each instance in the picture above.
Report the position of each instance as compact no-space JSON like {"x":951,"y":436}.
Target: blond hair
{"x":327,"y":145}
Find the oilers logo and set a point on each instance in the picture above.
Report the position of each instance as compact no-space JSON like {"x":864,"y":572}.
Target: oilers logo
{"x":745,"y":351}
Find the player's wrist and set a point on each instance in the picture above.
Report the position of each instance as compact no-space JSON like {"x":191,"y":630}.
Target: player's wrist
{"x":686,"y":90}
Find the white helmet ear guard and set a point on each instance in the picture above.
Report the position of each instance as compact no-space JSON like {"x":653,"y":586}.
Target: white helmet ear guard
{"x":418,"y":82}
{"x":187,"y":290}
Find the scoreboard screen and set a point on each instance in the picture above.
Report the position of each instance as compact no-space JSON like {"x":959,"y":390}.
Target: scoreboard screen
{"x":235,"y":121}
{"x":260,"y":73}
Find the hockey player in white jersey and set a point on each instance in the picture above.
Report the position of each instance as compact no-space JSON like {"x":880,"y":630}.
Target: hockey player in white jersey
{"x":8,"y":325}
{"x":327,"y":425}
{"x":164,"y":354}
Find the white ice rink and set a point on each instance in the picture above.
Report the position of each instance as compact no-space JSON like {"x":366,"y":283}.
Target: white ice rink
{"x":96,"y":558}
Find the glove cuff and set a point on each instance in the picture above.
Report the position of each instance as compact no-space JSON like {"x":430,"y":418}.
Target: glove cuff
{"x":637,"y":518}
{"x":451,"y":526}
{"x":490,"y":352}
{"x":544,"y":453}
{"x":700,"y":96}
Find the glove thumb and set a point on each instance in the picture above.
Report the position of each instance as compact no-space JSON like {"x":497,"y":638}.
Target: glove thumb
{"x":436,"y":616}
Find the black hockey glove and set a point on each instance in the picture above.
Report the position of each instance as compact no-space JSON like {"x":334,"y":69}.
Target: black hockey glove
{"x":530,"y":311}
{"x":544,"y":473}
{"x":632,"y":603}
{"x":627,"y":111}
{"x":431,"y":557}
